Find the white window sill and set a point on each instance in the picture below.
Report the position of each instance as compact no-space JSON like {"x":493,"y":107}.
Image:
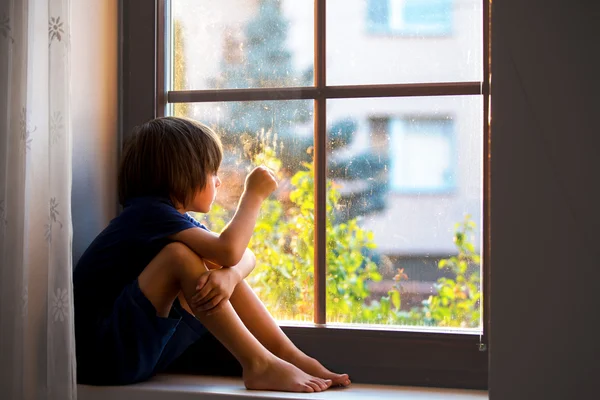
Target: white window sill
{"x":185,"y":387}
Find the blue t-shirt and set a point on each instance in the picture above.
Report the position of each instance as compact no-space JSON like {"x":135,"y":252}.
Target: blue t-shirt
{"x":120,"y":253}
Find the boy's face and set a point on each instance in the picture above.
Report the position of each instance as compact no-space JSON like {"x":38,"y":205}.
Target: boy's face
{"x":204,"y":198}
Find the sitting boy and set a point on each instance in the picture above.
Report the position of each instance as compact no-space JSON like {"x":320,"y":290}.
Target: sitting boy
{"x":154,"y":260}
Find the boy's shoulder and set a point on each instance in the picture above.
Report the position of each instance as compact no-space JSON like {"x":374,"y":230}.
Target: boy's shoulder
{"x":154,"y":211}
{"x":143,"y":223}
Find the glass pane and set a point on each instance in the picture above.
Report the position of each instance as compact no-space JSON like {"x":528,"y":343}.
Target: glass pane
{"x":405,"y":194}
{"x":404,"y":41}
{"x":242,"y":44}
{"x":279,"y":135}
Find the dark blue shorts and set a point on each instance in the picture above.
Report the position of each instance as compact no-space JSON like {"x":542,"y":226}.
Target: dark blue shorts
{"x":133,"y":343}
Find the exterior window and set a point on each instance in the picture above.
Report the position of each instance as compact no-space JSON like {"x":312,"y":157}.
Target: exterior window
{"x":258,"y":52}
{"x":410,"y":17}
{"x":423,"y":156}
{"x":376,"y":238}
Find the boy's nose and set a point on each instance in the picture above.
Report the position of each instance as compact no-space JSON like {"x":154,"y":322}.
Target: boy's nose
{"x":218,"y":183}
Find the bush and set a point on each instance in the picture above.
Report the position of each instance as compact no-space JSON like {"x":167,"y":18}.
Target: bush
{"x":284,"y":248}
{"x":458,"y":302}
{"x":283,"y":244}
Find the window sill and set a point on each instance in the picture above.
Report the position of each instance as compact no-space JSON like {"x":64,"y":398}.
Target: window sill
{"x":186,"y":387}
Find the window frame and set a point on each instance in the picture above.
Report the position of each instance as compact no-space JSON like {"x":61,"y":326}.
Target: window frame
{"x":412,"y":357}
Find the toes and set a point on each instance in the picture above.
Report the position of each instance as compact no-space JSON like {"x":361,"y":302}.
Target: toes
{"x":337,"y":379}
{"x":342,"y":379}
{"x":314,"y":386}
{"x":321,"y":383}
{"x":318,"y":384}
{"x":305,"y":388}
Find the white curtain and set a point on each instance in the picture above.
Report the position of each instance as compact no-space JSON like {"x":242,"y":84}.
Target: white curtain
{"x":37,"y":343}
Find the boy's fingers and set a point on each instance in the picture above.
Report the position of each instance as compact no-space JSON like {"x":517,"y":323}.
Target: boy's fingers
{"x":218,"y":308}
{"x":195,"y":297}
{"x":206,"y":303}
{"x":210,"y":305}
{"x":204,"y":291}
{"x":204,"y":297}
{"x":202,"y":280}
{"x":215,"y":303}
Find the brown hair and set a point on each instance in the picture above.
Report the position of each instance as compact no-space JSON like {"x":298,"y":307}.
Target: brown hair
{"x":169,"y":157}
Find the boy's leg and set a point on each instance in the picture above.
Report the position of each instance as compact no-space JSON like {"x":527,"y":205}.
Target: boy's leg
{"x":259,"y":321}
{"x":177,"y":269}
{"x":261,"y":324}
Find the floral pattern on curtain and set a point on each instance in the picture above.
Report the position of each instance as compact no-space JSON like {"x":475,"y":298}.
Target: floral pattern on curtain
{"x":37,"y":341}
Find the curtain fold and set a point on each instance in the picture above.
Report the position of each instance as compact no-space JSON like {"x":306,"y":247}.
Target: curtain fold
{"x":37,"y":342}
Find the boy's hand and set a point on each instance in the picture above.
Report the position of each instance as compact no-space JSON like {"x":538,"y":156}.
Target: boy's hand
{"x":261,"y":182}
{"x":214,"y":289}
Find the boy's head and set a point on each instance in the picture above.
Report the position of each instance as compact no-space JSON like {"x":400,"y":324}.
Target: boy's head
{"x":169,"y":157}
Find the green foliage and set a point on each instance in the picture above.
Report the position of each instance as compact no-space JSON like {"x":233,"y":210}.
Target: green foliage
{"x":458,"y":301}
{"x":283,"y":277}
{"x":283,"y":244}
{"x":388,"y":310}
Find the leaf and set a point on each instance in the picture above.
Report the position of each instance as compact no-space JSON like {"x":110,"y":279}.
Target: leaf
{"x":395,"y":298}
{"x":470,"y":248}
{"x":285,"y":273}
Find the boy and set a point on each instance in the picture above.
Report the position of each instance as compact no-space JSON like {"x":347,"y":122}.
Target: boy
{"x":154,"y":261}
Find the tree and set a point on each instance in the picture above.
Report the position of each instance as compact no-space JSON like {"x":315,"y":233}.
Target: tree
{"x":363,"y":173}
{"x":266,"y":62}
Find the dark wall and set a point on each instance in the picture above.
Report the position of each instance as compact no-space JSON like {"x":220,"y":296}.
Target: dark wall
{"x":545,"y":200}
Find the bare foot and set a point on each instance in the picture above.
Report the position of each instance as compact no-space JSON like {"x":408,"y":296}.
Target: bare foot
{"x":315,"y":368}
{"x":280,"y":375}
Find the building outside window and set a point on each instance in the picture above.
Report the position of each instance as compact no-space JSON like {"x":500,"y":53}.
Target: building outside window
{"x":422,"y":155}
{"x":410,"y":17}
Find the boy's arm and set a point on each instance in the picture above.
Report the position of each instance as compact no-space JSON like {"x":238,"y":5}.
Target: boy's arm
{"x":216,"y":285}
{"x":227,"y":248}
{"x":246,"y":265}
{"x":241,"y":269}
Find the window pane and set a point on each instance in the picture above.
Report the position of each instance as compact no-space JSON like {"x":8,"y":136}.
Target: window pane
{"x":405,"y":194}
{"x":279,"y":135}
{"x":404,"y":41}
{"x":423,"y":159}
{"x":242,"y":44}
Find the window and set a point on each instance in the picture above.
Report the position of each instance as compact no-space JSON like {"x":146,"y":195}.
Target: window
{"x":353,"y":124}
{"x":410,"y":17}
{"x":423,"y":155}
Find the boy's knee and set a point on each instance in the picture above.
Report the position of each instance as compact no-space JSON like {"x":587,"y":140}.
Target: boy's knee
{"x":182,"y":256}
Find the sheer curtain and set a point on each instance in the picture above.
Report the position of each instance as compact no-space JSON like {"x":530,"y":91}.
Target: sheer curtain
{"x":37,"y":344}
